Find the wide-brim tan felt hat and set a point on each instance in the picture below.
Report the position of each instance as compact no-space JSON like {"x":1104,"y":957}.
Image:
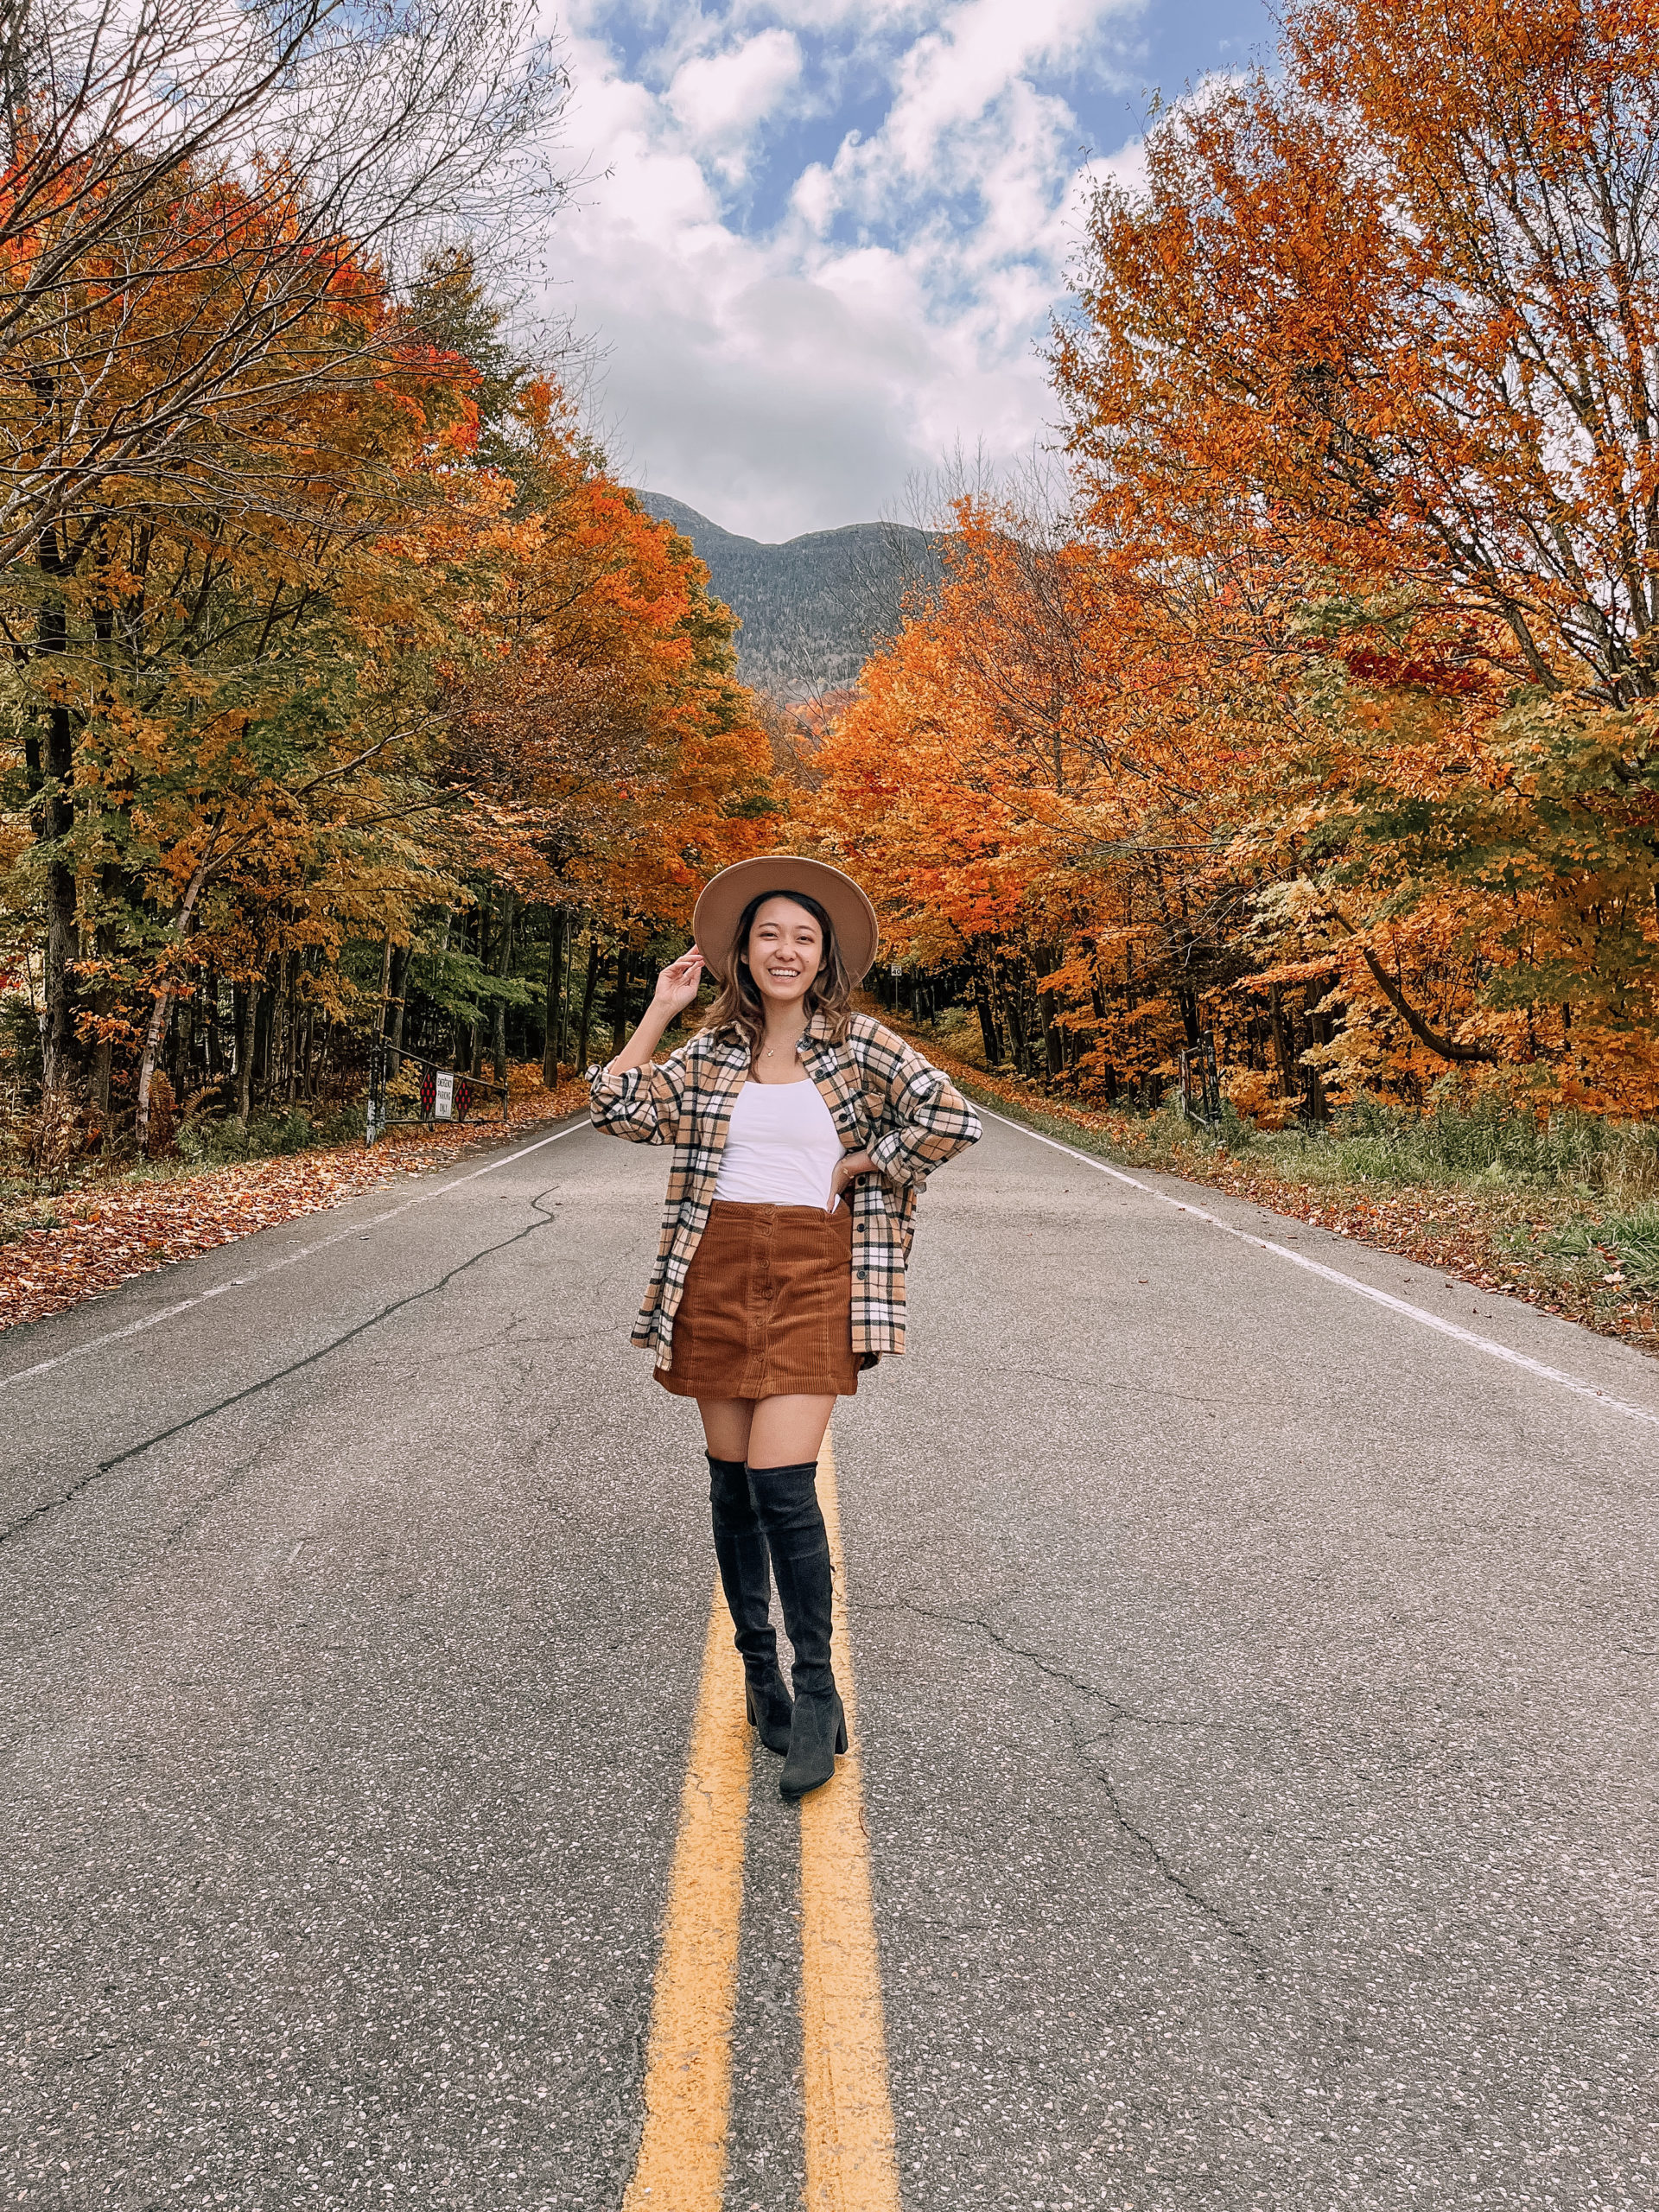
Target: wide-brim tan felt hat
{"x":720,"y":908}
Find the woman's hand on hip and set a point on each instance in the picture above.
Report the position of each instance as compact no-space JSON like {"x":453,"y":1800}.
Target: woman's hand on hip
{"x":848,"y":1168}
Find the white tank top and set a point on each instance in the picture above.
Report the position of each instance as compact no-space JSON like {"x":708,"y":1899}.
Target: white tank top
{"x":781,"y":1146}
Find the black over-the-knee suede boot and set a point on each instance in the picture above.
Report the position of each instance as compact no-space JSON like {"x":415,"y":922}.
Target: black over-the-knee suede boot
{"x":787,"y":1500}
{"x":740,"y":1548}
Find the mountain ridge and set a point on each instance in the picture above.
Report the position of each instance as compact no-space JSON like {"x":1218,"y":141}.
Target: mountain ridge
{"x":813,"y":607}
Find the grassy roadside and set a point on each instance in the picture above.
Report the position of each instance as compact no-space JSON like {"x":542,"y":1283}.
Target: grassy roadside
{"x":1565,"y":1217}
{"x":102,"y":1229}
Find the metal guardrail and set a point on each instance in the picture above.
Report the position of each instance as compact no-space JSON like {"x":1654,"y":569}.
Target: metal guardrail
{"x":445,"y":1095}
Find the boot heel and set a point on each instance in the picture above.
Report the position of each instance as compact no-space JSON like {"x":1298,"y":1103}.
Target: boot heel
{"x":841,"y":1734}
{"x":767,"y":1706}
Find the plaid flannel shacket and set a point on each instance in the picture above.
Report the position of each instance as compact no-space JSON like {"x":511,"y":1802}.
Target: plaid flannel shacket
{"x":884,"y":1098}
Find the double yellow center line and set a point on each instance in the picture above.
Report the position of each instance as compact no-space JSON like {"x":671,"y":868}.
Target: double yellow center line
{"x":851,"y":2165}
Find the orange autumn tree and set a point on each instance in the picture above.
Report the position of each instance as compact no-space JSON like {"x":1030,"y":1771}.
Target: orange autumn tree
{"x":1385,"y":325}
{"x":217,"y":671}
{"x":181,"y":186}
{"x":611,"y":760}
{"x":603,"y":699}
{"x":351,"y":689}
{"x":1325,"y":718}
{"x":1034,"y":778}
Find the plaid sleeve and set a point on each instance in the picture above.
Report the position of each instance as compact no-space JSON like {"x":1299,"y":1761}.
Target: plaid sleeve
{"x":929,"y":1119}
{"x":642,"y":1104}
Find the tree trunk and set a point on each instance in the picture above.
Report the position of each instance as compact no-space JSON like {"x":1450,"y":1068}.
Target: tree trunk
{"x":503,"y":964}
{"x":1096,"y":995}
{"x":1053,"y":1042}
{"x":1283,"y":1056}
{"x":54,"y":819}
{"x":557,"y":960}
{"x":158,"y":1014}
{"x":102,"y":1003}
{"x":990,"y":1033}
{"x":245,"y":1003}
{"x":1012,"y":1016}
{"x":469,"y":1043}
{"x":210,"y":1018}
{"x":1319,"y":1106}
{"x":291,"y":1022}
{"x":400,"y":1000}
{"x":267,"y":997}
{"x":160,"y":1011}
{"x":619,"y":1002}
{"x":588,"y":989}
{"x":563,"y":1053}
{"x":62,"y":928}
{"x":184,"y":1048}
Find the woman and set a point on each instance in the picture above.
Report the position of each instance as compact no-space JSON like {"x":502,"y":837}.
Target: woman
{"x":770,"y":1290}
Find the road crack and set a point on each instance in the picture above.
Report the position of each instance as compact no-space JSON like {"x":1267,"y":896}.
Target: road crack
{"x":1083,"y":1750}
{"x":1046,"y":1664}
{"x":102,"y":1467}
{"x":1083,"y":1747}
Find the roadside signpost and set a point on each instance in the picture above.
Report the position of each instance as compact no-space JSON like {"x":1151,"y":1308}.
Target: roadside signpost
{"x":442,"y":1095}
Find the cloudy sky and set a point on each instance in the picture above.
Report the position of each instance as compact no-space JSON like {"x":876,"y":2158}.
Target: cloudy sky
{"x":821,"y":239}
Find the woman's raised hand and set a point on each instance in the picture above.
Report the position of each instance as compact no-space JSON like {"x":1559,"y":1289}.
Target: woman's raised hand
{"x":676,"y":988}
{"x":677,"y":984}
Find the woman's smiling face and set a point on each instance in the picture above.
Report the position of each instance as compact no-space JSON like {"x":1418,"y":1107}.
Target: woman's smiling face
{"x":785,"y":951}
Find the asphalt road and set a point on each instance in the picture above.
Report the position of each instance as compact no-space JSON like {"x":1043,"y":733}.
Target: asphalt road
{"x":1256,"y":1698}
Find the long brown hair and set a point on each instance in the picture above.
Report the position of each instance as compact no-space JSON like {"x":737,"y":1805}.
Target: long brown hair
{"x":738,"y":1005}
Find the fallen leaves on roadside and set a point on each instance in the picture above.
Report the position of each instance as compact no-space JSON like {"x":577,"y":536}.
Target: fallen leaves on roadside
{"x":1488,"y":1240}
{"x":110,"y":1231}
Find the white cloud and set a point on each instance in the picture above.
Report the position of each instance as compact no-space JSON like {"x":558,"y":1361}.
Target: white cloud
{"x":719,"y":99}
{"x":868,"y":16}
{"x":978,"y":56}
{"x":789,"y":371}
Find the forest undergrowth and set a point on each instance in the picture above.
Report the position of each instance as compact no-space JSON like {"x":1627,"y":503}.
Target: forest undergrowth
{"x":94,"y":1228}
{"x":1563,"y":1213}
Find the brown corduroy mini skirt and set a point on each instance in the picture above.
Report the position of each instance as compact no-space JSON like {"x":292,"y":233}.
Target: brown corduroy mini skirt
{"x":767,"y":1309}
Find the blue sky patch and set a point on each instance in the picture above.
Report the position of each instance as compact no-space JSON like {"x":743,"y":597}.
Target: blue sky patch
{"x":822,"y":242}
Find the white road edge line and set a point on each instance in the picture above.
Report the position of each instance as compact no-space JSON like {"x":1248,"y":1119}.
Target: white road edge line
{"x":293,"y":1259}
{"x":1347,"y":1282}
